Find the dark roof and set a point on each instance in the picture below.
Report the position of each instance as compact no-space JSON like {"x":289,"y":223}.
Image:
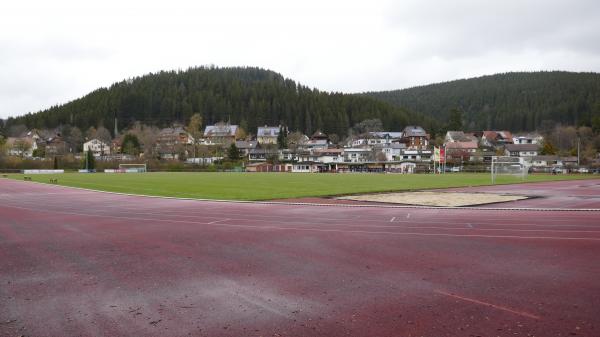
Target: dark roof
{"x":522,"y":147}
{"x":414,"y":131}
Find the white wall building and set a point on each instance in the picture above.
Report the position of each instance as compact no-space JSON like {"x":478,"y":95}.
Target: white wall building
{"x":98,"y":147}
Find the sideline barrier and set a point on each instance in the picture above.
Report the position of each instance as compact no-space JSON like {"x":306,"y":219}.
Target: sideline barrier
{"x":43,"y":171}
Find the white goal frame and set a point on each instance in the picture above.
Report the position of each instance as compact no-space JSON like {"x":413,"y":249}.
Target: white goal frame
{"x":133,"y":168}
{"x":503,"y":161}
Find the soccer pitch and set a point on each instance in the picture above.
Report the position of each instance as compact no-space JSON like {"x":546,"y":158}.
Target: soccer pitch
{"x":265,"y":186}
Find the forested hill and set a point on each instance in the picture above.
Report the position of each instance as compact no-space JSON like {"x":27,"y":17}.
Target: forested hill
{"x":519,"y":101}
{"x":250,"y":97}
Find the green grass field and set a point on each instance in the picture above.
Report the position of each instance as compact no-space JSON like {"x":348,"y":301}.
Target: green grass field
{"x":265,"y":186}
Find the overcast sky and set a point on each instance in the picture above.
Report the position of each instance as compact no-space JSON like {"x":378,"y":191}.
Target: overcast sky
{"x":54,"y":51}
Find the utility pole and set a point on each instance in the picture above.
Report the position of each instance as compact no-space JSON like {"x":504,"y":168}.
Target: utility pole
{"x":578,"y":143}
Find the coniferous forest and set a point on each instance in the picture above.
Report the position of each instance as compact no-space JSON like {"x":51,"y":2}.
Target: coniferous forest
{"x":254,"y":97}
{"x":249,"y":97}
{"x":519,"y":101}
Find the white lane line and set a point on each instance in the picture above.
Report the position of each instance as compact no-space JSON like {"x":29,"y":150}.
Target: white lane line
{"x":409,"y":233}
{"x":266,"y":227}
{"x":217,"y":221}
{"x":487,"y":304}
{"x":422,"y":224}
{"x":408,"y":216}
{"x":392,"y":220}
{"x":447,"y":221}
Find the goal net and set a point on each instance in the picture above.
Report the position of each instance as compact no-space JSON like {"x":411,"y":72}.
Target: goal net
{"x":508,"y":166}
{"x":132,"y":168}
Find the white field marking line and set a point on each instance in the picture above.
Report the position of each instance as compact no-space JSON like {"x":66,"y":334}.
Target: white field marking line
{"x":345,"y":224}
{"x":536,"y":209}
{"x":408,"y":216}
{"x":499,"y":307}
{"x":287,"y":218}
{"x":392,"y":219}
{"x":329,"y":230}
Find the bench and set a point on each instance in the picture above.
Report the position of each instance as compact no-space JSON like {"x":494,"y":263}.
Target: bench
{"x":27,"y":178}
{"x":54,"y":181}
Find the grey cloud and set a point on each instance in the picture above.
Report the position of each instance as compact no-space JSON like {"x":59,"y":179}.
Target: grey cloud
{"x":466,"y":27}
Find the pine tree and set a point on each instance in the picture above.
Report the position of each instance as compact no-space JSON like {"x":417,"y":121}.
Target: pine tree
{"x":233,"y":153}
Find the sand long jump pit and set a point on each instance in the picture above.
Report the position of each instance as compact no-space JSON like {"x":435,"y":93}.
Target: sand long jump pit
{"x":435,"y":198}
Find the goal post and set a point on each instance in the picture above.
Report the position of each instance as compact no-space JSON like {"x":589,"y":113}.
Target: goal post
{"x":132,"y":168}
{"x":510,"y":166}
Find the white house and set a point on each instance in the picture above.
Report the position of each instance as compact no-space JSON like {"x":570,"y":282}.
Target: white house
{"x":392,"y":151}
{"x":98,"y":147}
{"x":521,"y":150}
{"x":376,"y":138}
{"x":21,"y":146}
{"x":330,"y":155}
{"x":531,"y":138}
{"x":357,"y":154}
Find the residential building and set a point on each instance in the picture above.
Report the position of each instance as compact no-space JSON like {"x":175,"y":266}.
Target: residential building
{"x":267,"y":134}
{"x":415,"y":137}
{"x":392,"y":151}
{"x":21,"y":146}
{"x":530,"y":138}
{"x":376,"y":138}
{"x":98,"y":147}
{"x":357,"y":154}
{"x":521,"y":150}
{"x":495,"y":139}
{"x":173,"y":142}
{"x":461,"y":151}
{"x":459,"y":136}
{"x":245,"y":146}
{"x":56,"y":146}
{"x":220,"y":133}
{"x":329,"y":155}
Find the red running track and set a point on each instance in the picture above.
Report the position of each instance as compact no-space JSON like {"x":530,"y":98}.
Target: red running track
{"x":83,"y":263}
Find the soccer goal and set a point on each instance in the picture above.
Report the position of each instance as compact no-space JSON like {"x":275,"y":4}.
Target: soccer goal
{"x":508,"y":166}
{"x":132,"y":168}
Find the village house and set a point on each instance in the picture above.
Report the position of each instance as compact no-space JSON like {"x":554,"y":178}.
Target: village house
{"x":97,"y":147}
{"x":327,"y":156}
{"x":416,"y":155}
{"x":495,"y":139}
{"x":375,"y":138}
{"x":529,"y":138}
{"x":245,"y":146}
{"x":318,"y":140}
{"x":21,"y":146}
{"x":56,"y":146}
{"x":173,"y":142}
{"x":220,"y":133}
{"x":521,"y":150}
{"x":263,"y":154}
{"x":415,"y":137}
{"x":267,"y":134}
{"x":461,"y":151}
{"x":357,"y":154}
{"x":459,"y":136}
{"x":392,"y":151}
